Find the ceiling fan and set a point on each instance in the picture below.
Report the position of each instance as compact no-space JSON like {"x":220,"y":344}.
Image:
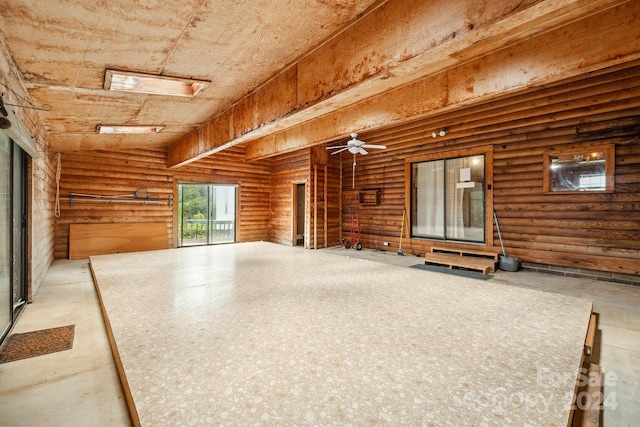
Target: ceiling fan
{"x":355,"y":146}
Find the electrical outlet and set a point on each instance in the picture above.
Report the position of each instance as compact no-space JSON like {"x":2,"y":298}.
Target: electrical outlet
{"x":386,"y":244}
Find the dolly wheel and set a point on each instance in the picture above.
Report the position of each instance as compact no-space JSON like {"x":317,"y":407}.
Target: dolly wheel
{"x":347,"y":244}
{"x":358,"y":246}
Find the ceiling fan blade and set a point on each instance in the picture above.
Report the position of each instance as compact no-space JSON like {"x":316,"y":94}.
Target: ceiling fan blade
{"x":336,"y":146}
{"x":340,"y":150}
{"x":381,"y":147}
{"x":363,"y":151}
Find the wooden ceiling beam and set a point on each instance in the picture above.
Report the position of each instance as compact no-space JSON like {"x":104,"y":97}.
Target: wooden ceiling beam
{"x":605,"y":39}
{"x":391,"y":47}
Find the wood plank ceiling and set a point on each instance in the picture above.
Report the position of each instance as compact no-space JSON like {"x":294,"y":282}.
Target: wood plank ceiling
{"x":63,"y":47}
{"x":287,"y":75}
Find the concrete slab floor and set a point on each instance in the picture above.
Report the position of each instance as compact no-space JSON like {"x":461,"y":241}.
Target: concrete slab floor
{"x":77,"y":387}
{"x":80,"y":387}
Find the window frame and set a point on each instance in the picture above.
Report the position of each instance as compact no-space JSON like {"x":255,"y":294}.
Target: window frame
{"x":487,"y":151}
{"x":610,"y":160}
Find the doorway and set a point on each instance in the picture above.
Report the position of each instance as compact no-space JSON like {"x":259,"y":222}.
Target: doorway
{"x":13,"y":232}
{"x":206,"y":214}
{"x":298,"y":214}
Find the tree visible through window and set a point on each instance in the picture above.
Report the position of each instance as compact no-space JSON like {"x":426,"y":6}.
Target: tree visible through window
{"x":206,"y":214}
{"x":448,"y":199}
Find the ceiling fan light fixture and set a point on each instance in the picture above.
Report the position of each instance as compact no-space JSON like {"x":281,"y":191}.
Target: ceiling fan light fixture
{"x":104,"y":129}
{"x":127,"y":81}
{"x":355,"y":146}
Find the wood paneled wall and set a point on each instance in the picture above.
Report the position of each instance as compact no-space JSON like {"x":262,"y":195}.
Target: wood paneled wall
{"x":42,"y":230}
{"x":112,"y":173}
{"x":324,"y":218}
{"x":286,"y":171}
{"x":123,"y":172}
{"x":41,"y":235}
{"x":321,"y":176}
{"x":254,"y":188}
{"x":599,"y":231}
{"x":593,"y":231}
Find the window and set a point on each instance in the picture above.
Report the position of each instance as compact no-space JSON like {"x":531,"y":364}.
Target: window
{"x":448,"y":199}
{"x":580,"y":170}
{"x":206,"y":214}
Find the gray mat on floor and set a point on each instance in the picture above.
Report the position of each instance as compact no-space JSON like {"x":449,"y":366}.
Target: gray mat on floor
{"x":455,"y":272}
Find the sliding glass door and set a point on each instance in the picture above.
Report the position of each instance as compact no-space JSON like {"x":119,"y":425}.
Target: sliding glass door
{"x":448,"y":199}
{"x":206,"y":214}
{"x":12,"y":231}
{"x":6,"y":304}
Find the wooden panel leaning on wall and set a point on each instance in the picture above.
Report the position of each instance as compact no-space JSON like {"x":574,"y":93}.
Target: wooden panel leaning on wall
{"x":86,"y":240}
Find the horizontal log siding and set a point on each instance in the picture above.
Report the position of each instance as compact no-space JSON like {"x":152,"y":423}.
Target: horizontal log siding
{"x":327,"y":214}
{"x":123,"y":172}
{"x":299,"y":167}
{"x":592,"y":231}
{"x":42,"y":231}
{"x":254,"y":188}
{"x":287,"y":170}
{"x":111,"y":173}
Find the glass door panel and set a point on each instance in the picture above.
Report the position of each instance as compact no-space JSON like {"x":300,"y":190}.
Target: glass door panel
{"x":428,"y":199}
{"x":222,"y":214}
{"x":206,"y":214}
{"x":19,"y":225}
{"x":448,"y":199}
{"x":465,"y":198}
{"x":6,"y":297}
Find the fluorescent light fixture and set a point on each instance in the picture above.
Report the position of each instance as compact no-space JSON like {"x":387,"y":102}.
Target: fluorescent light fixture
{"x":127,"y":81}
{"x":128,"y":129}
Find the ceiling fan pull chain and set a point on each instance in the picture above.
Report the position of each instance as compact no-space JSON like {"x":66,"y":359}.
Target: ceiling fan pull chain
{"x":353,"y":174}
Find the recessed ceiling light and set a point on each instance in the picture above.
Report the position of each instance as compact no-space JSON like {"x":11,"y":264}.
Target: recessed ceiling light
{"x":127,"y":81}
{"x":128,"y":129}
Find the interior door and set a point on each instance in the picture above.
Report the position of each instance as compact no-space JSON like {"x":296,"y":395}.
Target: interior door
{"x":300,"y":214}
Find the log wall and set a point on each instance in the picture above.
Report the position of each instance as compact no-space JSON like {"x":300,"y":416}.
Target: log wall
{"x":598,"y":231}
{"x":123,"y":172}
{"x":288,"y":170}
{"x":42,"y":231}
{"x":324,"y":199}
{"x":254,"y":188}
{"x":321,"y":176}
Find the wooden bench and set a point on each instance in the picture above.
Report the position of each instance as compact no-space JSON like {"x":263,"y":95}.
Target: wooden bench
{"x":485,"y":262}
